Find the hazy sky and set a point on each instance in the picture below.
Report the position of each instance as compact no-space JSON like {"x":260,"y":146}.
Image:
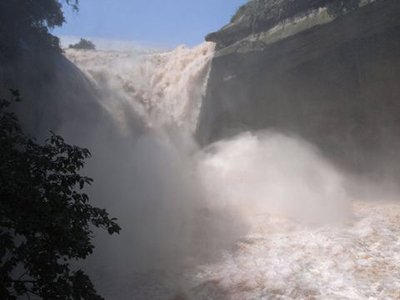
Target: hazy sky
{"x":159,"y":22}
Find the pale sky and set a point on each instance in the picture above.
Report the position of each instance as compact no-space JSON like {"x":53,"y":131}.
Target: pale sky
{"x":154,"y":22}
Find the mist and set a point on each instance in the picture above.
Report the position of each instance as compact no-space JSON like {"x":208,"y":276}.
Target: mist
{"x":185,"y":209}
{"x":268,"y":171}
{"x":181,"y":205}
{"x":251,"y":166}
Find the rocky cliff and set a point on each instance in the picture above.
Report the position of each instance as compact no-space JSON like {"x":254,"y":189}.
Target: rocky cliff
{"x":54,"y":92}
{"x":58,"y":96}
{"x":328,"y":73}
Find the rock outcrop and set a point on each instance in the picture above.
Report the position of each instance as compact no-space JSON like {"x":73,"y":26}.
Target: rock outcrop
{"x":333,"y":79}
{"x":59,"y":97}
{"x":54,"y":92}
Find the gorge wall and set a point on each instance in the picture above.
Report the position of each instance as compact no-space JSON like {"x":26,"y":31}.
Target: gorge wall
{"x":56,"y":95}
{"x":334,"y":80}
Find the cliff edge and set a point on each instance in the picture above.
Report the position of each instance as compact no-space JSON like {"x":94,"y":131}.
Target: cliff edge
{"x":327,"y":71}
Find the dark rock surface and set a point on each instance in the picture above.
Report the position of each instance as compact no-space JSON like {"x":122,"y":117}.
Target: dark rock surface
{"x":54,"y":92}
{"x":334,"y":81}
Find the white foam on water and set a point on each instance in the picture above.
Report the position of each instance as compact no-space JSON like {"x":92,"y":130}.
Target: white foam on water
{"x":281,"y":259}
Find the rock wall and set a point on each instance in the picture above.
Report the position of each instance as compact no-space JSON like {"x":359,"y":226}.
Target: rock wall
{"x":54,"y":91}
{"x":334,"y":81}
{"x":59,"y":97}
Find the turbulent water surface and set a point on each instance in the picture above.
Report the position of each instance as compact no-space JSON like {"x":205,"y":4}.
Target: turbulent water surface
{"x":280,"y":259}
{"x":260,"y":216}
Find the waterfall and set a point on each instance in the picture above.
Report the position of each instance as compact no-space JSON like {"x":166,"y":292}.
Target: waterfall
{"x":239,"y":217}
{"x":147,"y":170}
{"x":162,"y":88}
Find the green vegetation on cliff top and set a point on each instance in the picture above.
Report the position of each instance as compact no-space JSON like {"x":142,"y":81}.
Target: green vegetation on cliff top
{"x":260,"y":15}
{"x":272,"y":11}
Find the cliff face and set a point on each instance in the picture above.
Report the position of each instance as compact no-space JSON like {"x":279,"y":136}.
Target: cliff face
{"x":57,"y":96}
{"x":262,"y":15}
{"x":332,"y":79}
{"x":54,"y":92}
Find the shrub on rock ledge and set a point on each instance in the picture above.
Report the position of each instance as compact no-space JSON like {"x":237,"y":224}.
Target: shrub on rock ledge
{"x":83,"y":45}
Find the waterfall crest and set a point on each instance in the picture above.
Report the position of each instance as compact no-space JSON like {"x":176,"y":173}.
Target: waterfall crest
{"x":162,"y":88}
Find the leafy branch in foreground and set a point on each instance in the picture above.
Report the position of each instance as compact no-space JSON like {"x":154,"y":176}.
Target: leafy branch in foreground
{"x":45,"y":218}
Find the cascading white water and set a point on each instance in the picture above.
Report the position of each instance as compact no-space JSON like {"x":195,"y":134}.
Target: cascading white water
{"x":181,"y":206}
{"x":163,"y":88}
